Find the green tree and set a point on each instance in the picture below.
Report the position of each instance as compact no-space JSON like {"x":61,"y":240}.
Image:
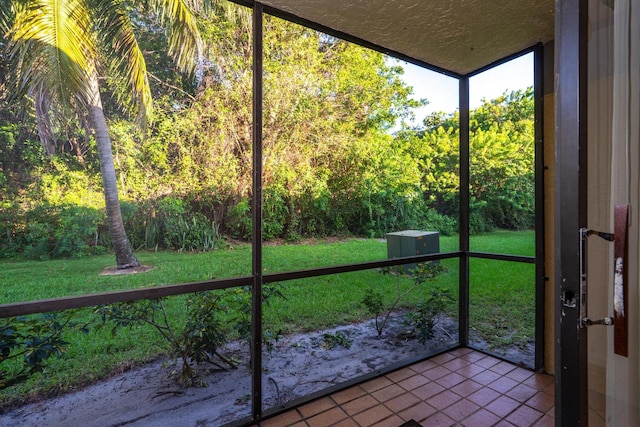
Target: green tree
{"x":501,"y":161}
{"x":57,"y":52}
{"x":502,"y":179}
{"x":328,"y":105}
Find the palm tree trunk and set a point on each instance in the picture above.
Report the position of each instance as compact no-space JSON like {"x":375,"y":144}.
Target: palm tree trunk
{"x":125,"y":258}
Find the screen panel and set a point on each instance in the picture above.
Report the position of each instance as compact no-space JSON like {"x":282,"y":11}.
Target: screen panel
{"x":502,"y":311}
{"x":325,"y":331}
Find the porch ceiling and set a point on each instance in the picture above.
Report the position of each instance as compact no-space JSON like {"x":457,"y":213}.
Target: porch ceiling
{"x":456,"y":35}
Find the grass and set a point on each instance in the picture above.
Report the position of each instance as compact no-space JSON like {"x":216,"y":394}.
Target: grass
{"x":501,"y":303}
{"x":504,"y":242}
{"x":502,"y":294}
{"x":327,"y":301}
{"x":29,"y":280}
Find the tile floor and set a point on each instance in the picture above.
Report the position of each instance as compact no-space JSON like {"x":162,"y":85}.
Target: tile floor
{"x":462,"y":388}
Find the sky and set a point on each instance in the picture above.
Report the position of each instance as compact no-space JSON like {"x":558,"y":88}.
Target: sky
{"x":442,"y":91}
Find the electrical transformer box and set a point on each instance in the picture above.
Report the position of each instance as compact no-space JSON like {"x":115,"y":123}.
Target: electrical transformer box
{"x":406,"y":243}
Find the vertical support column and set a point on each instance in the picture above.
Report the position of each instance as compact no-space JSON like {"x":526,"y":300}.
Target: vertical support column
{"x":538,"y":96}
{"x":463,"y":281}
{"x":571,"y":406}
{"x":256,"y":210}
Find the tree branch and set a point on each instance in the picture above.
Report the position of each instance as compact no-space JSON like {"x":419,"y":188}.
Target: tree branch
{"x":170,"y":86}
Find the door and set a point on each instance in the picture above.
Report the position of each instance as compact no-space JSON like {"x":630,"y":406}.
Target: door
{"x":612,"y":177}
{"x":597,"y":140}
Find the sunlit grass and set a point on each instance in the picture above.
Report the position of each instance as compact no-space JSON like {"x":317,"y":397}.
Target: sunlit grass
{"x":29,"y":280}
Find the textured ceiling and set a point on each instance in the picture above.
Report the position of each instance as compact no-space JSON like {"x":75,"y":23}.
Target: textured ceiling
{"x":456,"y":35}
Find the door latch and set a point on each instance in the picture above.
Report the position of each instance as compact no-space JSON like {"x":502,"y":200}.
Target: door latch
{"x":609,"y":237}
{"x":606,"y":321}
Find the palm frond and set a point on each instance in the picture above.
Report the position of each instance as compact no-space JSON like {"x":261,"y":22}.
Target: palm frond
{"x":239,"y":16}
{"x":185,"y":43}
{"x":6,"y":18}
{"x":55,"y":52}
{"x":123,"y":52}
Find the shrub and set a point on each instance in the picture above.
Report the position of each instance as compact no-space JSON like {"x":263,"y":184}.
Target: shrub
{"x":198,"y":341}
{"x":135,"y":219}
{"x":428,"y":313}
{"x":212,"y":319}
{"x":238,"y":219}
{"x":169,"y":223}
{"x":27,"y":343}
{"x":78,"y":232}
{"x":373,"y":300}
{"x":444,"y":224}
{"x":389,"y":211}
{"x":53,"y":231}
{"x":275,"y":213}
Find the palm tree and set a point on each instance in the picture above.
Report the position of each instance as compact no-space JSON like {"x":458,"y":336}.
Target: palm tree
{"x":56,"y":51}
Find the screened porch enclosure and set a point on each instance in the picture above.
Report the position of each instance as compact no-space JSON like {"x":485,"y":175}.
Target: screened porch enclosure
{"x":296,"y":299}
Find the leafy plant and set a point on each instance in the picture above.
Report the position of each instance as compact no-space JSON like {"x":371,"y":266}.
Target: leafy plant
{"x":331,"y":341}
{"x":240,"y":301}
{"x":170,"y":223}
{"x":78,"y":233}
{"x":211,"y":318}
{"x":27,"y":343}
{"x":427,"y":314}
{"x":197,"y":342}
{"x":239,"y":219}
{"x":373,"y":300}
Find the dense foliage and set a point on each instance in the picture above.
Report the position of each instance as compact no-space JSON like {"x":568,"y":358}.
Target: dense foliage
{"x":332,"y":164}
{"x":501,"y":181}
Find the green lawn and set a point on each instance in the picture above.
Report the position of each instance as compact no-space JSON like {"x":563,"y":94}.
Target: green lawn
{"x":501,"y":297}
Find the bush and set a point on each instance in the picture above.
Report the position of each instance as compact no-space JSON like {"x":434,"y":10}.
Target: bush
{"x":212,"y":319}
{"x":389,"y":211}
{"x":196,"y":343}
{"x":427,"y":314}
{"x":78,"y":232}
{"x":134,"y":217}
{"x":193,"y":232}
{"x":444,"y":224}
{"x":313,"y":215}
{"x":169,"y":223}
{"x":238,"y":219}
{"x":26,"y":344}
{"x":513,"y":207}
{"x":275,"y":213}
{"x":8,"y":214}
{"x":424,"y":273}
{"x":53,"y":231}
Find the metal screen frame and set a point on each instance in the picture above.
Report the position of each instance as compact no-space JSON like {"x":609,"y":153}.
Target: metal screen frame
{"x":258,"y":279}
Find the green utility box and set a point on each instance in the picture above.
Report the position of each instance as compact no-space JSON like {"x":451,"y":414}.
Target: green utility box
{"x":406,"y":243}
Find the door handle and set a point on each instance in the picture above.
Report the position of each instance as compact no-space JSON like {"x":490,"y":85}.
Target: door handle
{"x":606,"y":321}
{"x":620,"y":286}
